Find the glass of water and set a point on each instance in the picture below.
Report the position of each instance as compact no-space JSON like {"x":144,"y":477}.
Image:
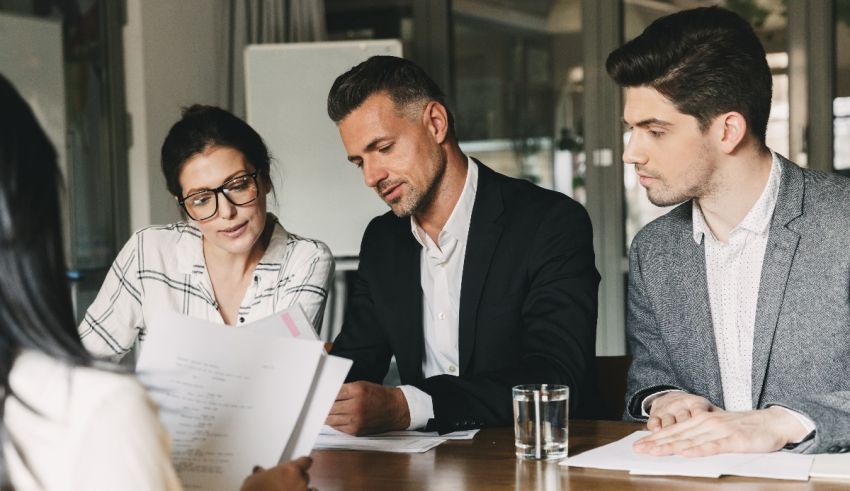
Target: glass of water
{"x":540,"y":421}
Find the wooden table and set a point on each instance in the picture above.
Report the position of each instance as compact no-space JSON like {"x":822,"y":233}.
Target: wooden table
{"x":488,"y":463}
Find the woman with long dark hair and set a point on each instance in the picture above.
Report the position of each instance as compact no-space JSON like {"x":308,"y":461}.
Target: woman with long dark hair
{"x":69,"y":422}
{"x":230,"y":262}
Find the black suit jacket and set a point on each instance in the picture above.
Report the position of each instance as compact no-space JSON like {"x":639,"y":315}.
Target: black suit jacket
{"x":528,"y":304}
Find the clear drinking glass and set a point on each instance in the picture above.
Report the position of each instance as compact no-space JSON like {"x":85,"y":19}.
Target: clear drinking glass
{"x":541,"y":412}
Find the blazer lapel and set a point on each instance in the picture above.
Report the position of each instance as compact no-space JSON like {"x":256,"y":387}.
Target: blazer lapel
{"x":406,"y":290}
{"x":484,"y":233}
{"x":694,"y":333}
{"x":778,"y":256}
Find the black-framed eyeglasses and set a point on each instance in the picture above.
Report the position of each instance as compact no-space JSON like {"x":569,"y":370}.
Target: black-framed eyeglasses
{"x":202,"y":205}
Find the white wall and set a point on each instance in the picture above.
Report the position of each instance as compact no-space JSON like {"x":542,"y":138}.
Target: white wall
{"x":173,"y":57}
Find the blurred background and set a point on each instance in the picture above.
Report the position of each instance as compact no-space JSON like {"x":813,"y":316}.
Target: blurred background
{"x":525,"y":78}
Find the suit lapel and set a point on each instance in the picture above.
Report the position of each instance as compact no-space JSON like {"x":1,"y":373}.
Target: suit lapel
{"x":695,"y":330}
{"x":406,"y":290}
{"x":484,"y":233}
{"x":778,"y":256}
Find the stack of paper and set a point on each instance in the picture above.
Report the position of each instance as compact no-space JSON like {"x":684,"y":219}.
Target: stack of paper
{"x":831,"y":467}
{"x":233,"y":398}
{"x":392,"y":441}
{"x":620,"y":456}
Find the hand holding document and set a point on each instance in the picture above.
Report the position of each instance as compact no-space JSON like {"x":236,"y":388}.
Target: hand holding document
{"x":620,"y":456}
{"x":232,"y":398}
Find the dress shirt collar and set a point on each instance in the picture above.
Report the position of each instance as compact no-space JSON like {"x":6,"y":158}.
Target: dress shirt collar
{"x":457,"y":226}
{"x":757,"y":220}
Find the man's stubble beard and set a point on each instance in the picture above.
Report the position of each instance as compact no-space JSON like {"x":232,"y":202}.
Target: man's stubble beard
{"x":415,"y":200}
{"x":703,"y":185}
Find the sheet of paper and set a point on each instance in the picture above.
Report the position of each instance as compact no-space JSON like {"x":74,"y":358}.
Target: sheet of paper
{"x":620,"y":456}
{"x":229,"y":399}
{"x":330,"y":376}
{"x":408,"y":444}
{"x":455,"y":435}
{"x":831,"y":467}
{"x":776,"y":465}
{"x":290,"y":323}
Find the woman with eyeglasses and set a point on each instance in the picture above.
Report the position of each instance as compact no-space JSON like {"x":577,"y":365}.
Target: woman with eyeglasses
{"x":230,"y":262}
{"x":69,"y":422}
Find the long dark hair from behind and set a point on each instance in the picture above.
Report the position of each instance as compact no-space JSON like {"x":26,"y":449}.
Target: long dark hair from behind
{"x":35,"y":302}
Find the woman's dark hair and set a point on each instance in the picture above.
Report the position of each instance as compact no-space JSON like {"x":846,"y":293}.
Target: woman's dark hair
{"x":707,"y":61}
{"x":202,"y":127}
{"x":404,"y":81}
{"x":35,"y":301}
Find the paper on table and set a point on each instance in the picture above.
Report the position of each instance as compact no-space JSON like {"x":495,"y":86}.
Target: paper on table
{"x":831,"y":466}
{"x":229,"y":399}
{"x":620,"y":456}
{"x":455,"y":435}
{"x":408,"y":444}
{"x":776,"y":465}
{"x":391,"y":445}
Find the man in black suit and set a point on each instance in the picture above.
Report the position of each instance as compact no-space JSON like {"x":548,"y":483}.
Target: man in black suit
{"x":475,"y":281}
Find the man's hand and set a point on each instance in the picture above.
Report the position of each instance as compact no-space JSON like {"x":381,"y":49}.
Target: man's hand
{"x":718,"y":431}
{"x":676,"y":407}
{"x":364,"y":408}
{"x":289,"y":476}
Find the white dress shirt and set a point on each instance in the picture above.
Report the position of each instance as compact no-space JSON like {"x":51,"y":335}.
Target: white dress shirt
{"x":441,"y":267}
{"x":733,"y":273}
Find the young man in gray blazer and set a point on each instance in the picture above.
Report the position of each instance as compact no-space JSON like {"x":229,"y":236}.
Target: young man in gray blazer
{"x":739,"y":298}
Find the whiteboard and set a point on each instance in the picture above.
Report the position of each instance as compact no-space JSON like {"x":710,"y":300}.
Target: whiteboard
{"x":319,"y":194}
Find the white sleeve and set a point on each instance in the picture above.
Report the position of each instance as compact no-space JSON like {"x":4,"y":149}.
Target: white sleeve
{"x":124,"y":446}
{"x":113,"y":321}
{"x":419,"y":405}
{"x":646,"y":405}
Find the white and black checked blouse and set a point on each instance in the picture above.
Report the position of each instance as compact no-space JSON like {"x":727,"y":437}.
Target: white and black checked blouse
{"x":162,"y":267}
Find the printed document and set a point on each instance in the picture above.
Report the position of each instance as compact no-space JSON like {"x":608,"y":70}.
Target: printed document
{"x":232,"y":398}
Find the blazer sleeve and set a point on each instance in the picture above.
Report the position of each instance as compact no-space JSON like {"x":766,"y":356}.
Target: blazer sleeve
{"x":558,"y":329}
{"x":361,"y":338}
{"x":650,"y":371}
{"x":831,"y":414}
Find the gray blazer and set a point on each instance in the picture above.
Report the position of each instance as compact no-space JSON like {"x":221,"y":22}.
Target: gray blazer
{"x":801,"y":348}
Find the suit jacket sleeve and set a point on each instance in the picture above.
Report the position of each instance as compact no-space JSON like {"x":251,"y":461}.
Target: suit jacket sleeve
{"x":650,"y":371}
{"x":831,"y":415}
{"x":558,"y":332}
{"x":361,"y":339}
